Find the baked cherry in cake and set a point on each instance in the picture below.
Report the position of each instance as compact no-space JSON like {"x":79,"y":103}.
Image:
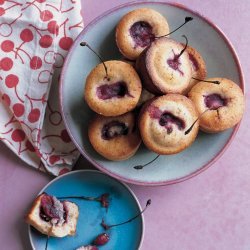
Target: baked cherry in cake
{"x":164,"y":67}
{"x":53,"y":217}
{"x":137,"y":29}
{"x":115,"y":138}
{"x":163,"y":122}
{"x":224,"y":103}
{"x":114,"y":92}
{"x":198,"y":64}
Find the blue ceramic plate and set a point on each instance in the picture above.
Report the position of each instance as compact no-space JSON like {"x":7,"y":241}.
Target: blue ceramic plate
{"x":123,"y":206}
{"x":220,"y":59}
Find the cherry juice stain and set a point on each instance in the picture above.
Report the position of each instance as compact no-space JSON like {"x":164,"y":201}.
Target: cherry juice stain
{"x":174,"y":63}
{"x":214,"y":101}
{"x":166,"y":119}
{"x":108,"y":91}
{"x":114,"y":129}
{"x":142,"y":34}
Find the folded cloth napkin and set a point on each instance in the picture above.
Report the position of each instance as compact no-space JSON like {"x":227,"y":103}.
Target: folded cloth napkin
{"x":35,"y":37}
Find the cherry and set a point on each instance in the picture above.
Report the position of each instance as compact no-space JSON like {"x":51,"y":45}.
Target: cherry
{"x":45,"y":41}
{"x":53,"y":27}
{"x":7,"y":46}
{"x":6,"y":64}
{"x":29,"y":146}
{"x":18,"y":109}
{"x":11,"y":81}
{"x":107,"y":227}
{"x":26,"y":35}
{"x":65,"y":136}
{"x":114,"y":129}
{"x":65,"y":43}
{"x":34,"y":115}
{"x":6,"y":99}
{"x":101,"y":239}
{"x":63,"y":171}
{"x":18,"y":135}
{"x":35,"y":62}
{"x":46,"y":15}
{"x":214,"y":101}
{"x":53,"y":159}
{"x":2,"y":11}
{"x":2,"y":2}
{"x":84,"y":44}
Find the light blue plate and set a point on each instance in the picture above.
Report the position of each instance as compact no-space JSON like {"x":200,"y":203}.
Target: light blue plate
{"x":123,"y":206}
{"x":221,"y":61}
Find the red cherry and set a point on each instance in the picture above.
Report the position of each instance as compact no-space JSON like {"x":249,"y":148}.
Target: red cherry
{"x":63,"y":171}
{"x":65,"y":136}
{"x":2,"y":11}
{"x":101,"y":239}
{"x":6,"y":64}
{"x":11,"y":81}
{"x":34,"y":115}
{"x":2,"y":2}
{"x":26,"y":35}
{"x":7,"y":46}
{"x":45,"y":41}
{"x":65,"y":43}
{"x":36,"y":62}
{"x":6,"y":99}
{"x":18,"y":109}
{"x":53,"y":159}
{"x":29,"y":146}
{"x":18,"y":135}
{"x":46,"y":15}
{"x":53,"y":27}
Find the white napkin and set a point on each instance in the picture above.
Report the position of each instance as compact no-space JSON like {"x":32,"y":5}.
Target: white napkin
{"x":35,"y":37}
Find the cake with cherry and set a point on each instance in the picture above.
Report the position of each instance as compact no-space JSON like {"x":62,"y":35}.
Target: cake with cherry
{"x":53,"y":217}
{"x":163,"y":123}
{"x":164,"y":67}
{"x":115,"y":138}
{"x":137,"y":29}
{"x":112,"y":88}
{"x":199,"y":71}
{"x":221,"y":105}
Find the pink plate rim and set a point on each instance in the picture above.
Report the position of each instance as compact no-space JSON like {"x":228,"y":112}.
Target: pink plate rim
{"x":99,"y":166}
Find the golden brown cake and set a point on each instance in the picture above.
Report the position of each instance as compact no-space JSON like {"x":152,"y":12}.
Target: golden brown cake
{"x":163,"y":67}
{"x":224,"y":102}
{"x":137,"y":29}
{"x":164,"y":121}
{"x":53,"y":217}
{"x":116,"y":93}
{"x":115,"y":138}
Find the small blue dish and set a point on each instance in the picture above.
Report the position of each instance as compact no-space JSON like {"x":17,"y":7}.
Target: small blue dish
{"x":123,"y":205}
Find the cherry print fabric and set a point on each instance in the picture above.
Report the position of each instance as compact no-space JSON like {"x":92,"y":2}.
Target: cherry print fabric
{"x":35,"y":37}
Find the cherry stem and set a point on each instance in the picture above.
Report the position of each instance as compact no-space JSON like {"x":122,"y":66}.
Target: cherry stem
{"x":215,"y":82}
{"x":103,"y":198}
{"x":139,"y":167}
{"x":183,"y":48}
{"x":105,"y":67}
{"x":187,"y":19}
{"x":107,"y":227}
{"x":191,"y":127}
{"x":47,"y":241}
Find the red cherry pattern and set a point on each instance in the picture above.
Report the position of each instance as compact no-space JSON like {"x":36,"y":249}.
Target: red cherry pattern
{"x":18,"y":109}
{"x":11,"y":81}
{"x":34,"y":115}
{"x":16,"y":49}
{"x":65,"y":43}
{"x":6,"y":64}
{"x":7,"y":46}
{"x":26,"y":35}
{"x":6,"y":99}
{"x":36,"y":62}
{"x":18,"y":135}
